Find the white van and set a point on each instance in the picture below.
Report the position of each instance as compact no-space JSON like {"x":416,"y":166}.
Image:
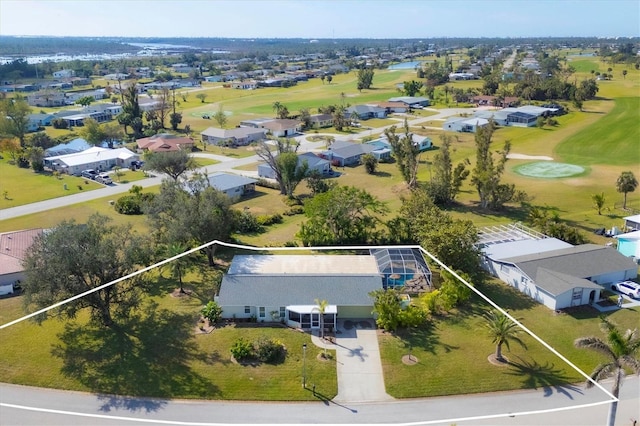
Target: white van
{"x":629,"y":288}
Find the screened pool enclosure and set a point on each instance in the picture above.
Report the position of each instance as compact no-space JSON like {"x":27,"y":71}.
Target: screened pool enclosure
{"x":403,"y":267}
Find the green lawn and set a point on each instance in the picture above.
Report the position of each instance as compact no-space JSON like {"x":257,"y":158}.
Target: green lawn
{"x":613,"y":141}
{"x":163,"y":352}
{"x":452,"y":352}
{"x":24,"y":186}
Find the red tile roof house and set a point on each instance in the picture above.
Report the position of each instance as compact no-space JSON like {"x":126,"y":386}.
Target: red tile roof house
{"x":165,"y":142}
{"x":14,"y":246}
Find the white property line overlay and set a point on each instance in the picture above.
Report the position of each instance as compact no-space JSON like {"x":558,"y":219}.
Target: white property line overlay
{"x":250,"y":248}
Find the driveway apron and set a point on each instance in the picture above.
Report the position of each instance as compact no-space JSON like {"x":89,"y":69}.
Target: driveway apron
{"x":360,"y":377}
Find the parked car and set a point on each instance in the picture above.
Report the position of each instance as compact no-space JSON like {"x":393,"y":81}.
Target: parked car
{"x":89,"y":174}
{"x":104,"y":179}
{"x":629,"y":288}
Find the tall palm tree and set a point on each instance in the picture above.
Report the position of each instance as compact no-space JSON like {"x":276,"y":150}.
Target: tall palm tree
{"x":621,"y":351}
{"x":322,"y":307}
{"x":502,"y":330}
{"x":626,"y":182}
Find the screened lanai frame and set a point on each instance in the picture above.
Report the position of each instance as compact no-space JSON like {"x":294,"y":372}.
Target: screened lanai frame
{"x":402,"y":267}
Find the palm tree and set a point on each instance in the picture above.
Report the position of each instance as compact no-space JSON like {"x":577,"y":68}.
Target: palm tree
{"x":179,"y":266}
{"x":598,"y":202}
{"x":502,"y":330}
{"x":322,"y":306}
{"x":626,"y":182}
{"x":620,"y":350}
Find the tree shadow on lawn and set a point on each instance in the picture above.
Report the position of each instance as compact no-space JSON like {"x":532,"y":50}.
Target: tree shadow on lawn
{"x":546,"y":376}
{"x":147,"y":356}
{"x":425,"y":338}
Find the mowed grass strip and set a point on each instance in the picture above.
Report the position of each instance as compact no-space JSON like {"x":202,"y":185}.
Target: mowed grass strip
{"x":614,"y":139}
{"x":24,"y":186}
{"x":176,"y":363}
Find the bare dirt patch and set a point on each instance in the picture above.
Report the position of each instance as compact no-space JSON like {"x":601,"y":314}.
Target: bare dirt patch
{"x":409,"y":360}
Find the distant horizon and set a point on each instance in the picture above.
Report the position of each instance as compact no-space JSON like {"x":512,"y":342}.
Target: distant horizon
{"x":321,"y":20}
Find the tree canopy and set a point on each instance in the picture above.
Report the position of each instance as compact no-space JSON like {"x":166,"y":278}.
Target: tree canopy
{"x":626,"y":183}
{"x":191,"y":214}
{"x":73,"y":258}
{"x":283,"y":146}
{"x":342,"y":215}
{"x":14,"y":118}
{"x":174,"y":163}
{"x":406,"y":153}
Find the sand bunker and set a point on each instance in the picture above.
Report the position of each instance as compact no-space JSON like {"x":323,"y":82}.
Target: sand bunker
{"x":515,"y":156}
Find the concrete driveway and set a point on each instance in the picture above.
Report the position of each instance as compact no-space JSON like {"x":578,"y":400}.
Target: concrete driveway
{"x":360,"y":377}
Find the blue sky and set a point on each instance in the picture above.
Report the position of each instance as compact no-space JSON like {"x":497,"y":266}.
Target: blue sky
{"x":322,"y":19}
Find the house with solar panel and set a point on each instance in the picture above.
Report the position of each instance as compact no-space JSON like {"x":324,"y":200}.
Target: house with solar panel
{"x":284,"y":288}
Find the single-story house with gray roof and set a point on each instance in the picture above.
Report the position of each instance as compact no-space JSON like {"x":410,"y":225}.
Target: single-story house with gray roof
{"x":236,"y":136}
{"x":412,"y":101}
{"x":555,"y":273}
{"x":343,"y":153}
{"x":313,"y":162}
{"x":231,"y":185}
{"x":274,"y":288}
{"x":365,"y":112}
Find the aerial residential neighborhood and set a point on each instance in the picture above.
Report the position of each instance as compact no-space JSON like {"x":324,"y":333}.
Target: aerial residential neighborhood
{"x":224,"y":221}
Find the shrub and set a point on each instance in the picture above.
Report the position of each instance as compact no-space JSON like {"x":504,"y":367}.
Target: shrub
{"x":267,"y":184}
{"x":294,"y":211}
{"x":241,"y":349}
{"x":59,"y":123}
{"x":128,"y":204}
{"x":212,"y":311}
{"x":292,"y":201}
{"x":267,"y":220}
{"x":270,"y":350}
{"x":247,"y":223}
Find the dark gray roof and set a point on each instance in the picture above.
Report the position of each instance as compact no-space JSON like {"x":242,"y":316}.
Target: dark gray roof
{"x":557,"y":283}
{"x":279,"y":290}
{"x":583,"y":261}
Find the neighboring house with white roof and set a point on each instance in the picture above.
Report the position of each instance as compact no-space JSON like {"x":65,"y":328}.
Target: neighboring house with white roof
{"x":464,"y":124}
{"x":629,"y":244}
{"x":14,"y":246}
{"x":313,"y":162}
{"x":100,"y":159}
{"x":552,"y":272}
{"x":238,"y":136}
{"x":632,"y":222}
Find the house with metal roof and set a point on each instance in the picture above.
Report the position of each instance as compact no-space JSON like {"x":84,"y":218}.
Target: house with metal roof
{"x":552,"y":272}
{"x":100,"y":159}
{"x":273,"y":288}
{"x":14,"y":247}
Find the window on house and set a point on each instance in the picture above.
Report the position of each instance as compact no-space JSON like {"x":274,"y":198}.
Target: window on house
{"x":247,"y":309}
{"x":282,"y":311}
{"x":262,"y":312}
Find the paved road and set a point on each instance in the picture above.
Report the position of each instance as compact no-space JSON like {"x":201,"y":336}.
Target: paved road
{"x":75,"y":408}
